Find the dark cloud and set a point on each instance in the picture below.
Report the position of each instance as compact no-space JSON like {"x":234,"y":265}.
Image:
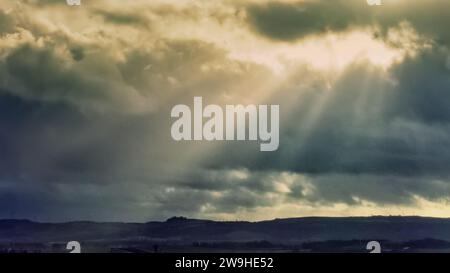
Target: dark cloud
{"x":423,"y":92}
{"x":369,"y":122}
{"x":59,"y":78}
{"x":290,"y":21}
{"x":287,"y":21}
{"x":77,"y":53}
{"x":7,"y":23}
{"x":85,"y":115}
{"x":124,"y":18}
{"x":379,"y":136}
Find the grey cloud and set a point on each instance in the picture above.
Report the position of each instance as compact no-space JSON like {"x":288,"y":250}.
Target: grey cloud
{"x":380,"y":136}
{"x":423,"y":90}
{"x":222,"y":192}
{"x":369,"y":122}
{"x":77,"y":53}
{"x":290,"y":21}
{"x":124,"y":18}
{"x":7,"y":23}
{"x":59,"y":78}
{"x":287,"y":21}
{"x":85,"y":121}
{"x":101,"y":72}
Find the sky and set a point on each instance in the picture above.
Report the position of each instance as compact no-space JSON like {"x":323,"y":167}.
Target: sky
{"x":86,"y":93}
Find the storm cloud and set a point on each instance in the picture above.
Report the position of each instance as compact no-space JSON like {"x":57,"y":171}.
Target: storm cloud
{"x":296,"y":20}
{"x":86,"y":94}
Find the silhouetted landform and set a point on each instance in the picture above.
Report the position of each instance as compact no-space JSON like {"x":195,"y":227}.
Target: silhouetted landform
{"x":310,"y":234}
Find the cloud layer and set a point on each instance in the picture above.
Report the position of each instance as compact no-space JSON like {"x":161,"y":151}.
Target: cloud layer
{"x":86,"y":94}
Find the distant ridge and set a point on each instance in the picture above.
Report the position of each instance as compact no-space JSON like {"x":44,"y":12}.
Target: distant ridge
{"x":184,"y":230}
